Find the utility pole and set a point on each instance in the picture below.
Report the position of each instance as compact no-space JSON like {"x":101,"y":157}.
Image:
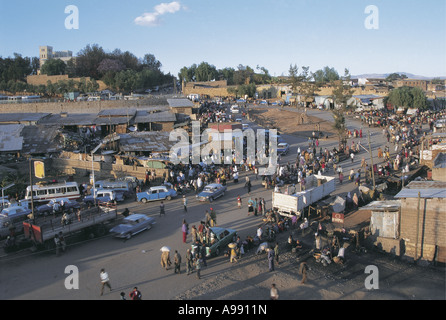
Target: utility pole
{"x":418,"y":227}
{"x":31,"y":186}
{"x":371,"y":160}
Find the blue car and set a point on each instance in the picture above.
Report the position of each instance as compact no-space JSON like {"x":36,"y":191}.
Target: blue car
{"x":156,"y":193}
{"x":132,"y":225}
{"x":283,"y":148}
{"x":211,"y":192}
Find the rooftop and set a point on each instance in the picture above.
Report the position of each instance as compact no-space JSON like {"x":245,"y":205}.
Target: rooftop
{"x":426,"y":189}
{"x":145,"y":141}
{"x":180,"y":103}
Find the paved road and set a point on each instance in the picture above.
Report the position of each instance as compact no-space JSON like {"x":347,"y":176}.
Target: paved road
{"x":136,"y":262}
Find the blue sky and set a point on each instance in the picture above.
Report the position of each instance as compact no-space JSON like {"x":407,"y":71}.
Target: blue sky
{"x":411,"y":35}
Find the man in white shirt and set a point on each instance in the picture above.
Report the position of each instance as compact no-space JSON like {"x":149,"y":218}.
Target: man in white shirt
{"x":105,"y":281}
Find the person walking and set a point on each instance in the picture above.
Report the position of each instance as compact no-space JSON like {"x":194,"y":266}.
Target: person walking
{"x":198,"y":266}
{"x":303,"y":271}
{"x":185,"y":203}
{"x":259,"y":233}
{"x":189,"y":262}
{"x":248,"y":185}
{"x":165,"y":259}
{"x":105,"y":280}
{"x":239,"y":202}
{"x":162,"y":212}
{"x":274,"y":293}
{"x":262,"y":203}
{"x":276,"y":252}
{"x":135,"y":294}
{"x":213,"y":215}
{"x":184,"y":229}
{"x":63,"y":243}
{"x":250,"y":206}
{"x":233,"y":255}
{"x":177,"y":262}
{"x":270,"y":259}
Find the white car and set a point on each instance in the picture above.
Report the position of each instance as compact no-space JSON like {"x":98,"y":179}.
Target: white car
{"x":235,"y":109}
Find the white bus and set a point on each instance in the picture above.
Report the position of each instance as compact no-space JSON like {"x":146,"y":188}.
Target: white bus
{"x":46,"y":192}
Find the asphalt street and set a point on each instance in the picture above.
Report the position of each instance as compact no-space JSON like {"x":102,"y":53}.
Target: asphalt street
{"x":136,"y":262}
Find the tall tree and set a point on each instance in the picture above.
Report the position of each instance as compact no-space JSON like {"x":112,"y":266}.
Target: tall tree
{"x":53,"y":67}
{"x":88,"y":60}
{"x":205,"y":72}
{"x":326,"y":75}
{"x":342,"y":92}
{"x":407,"y":97}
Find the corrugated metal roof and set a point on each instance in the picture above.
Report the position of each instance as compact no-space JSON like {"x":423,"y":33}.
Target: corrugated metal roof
{"x":76,"y":119}
{"x":40,"y":139}
{"x":11,"y":138}
{"x":22,"y":117}
{"x":146,"y":141}
{"x":386,"y":205}
{"x":117,"y":113}
{"x":440,"y":160}
{"x":180,"y":103}
{"x":142,"y":116}
{"x":427,"y":189}
{"x":112,"y":120}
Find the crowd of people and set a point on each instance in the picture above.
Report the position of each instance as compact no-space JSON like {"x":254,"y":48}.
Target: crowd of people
{"x":400,"y":153}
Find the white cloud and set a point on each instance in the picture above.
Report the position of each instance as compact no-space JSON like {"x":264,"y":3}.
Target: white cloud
{"x":153,"y":18}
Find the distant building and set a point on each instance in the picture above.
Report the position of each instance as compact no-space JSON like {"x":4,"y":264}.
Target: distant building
{"x":46,"y":53}
{"x":413,"y":83}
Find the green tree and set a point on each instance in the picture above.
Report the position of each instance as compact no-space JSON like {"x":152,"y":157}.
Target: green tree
{"x":342,"y":91}
{"x":126,"y":80}
{"x":407,"y":97}
{"x":326,"y":75}
{"x":88,"y":60}
{"x":150,"y":62}
{"x":227,"y":74}
{"x":395,"y":76}
{"x":247,"y":90}
{"x":205,"y":72}
{"x":295,"y":78}
{"x":188,"y":74}
{"x":53,"y":67}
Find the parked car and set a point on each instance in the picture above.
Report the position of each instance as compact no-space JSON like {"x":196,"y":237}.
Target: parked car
{"x":156,"y":193}
{"x":219,"y":240}
{"x":133,"y":224}
{"x":235,"y":109}
{"x":121,"y":186}
{"x":283,"y":148}
{"x":12,"y":219}
{"x":104,"y":196}
{"x":56,"y":206}
{"x":211,"y":192}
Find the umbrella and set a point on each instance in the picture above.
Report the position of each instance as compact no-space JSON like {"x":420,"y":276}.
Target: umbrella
{"x":165,"y":248}
{"x":232,"y":245}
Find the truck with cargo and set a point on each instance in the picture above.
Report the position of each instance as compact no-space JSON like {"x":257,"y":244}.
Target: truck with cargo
{"x":292,"y":204}
{"x":91,"y":223}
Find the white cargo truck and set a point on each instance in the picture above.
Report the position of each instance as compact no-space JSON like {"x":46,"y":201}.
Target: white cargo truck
{"x":317,"y":187}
